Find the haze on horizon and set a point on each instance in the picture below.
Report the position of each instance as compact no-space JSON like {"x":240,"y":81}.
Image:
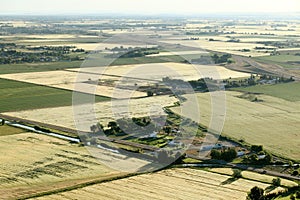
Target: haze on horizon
{"x":184,"y":7}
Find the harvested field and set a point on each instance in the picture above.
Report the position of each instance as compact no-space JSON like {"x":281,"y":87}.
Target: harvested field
{"x":67,"y":80}
{"x":272,"y":122}
{"x":255,"y":176}
{"x":63,"y":116}
{"x":157,"y":71}
{"x":169,"y":184}
{"x":222,"y":46}
{"x":33,"y":163}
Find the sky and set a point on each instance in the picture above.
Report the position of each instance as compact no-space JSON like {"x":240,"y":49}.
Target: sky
{"x":147,"y":6}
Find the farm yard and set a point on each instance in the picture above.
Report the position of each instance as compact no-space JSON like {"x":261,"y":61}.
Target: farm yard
{"x":167,"y":184}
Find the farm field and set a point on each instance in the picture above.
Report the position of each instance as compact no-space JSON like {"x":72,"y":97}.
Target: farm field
{"x":168,"y":184}
{"x":222,"y":46}
{"x":37,"y":67}
{"x":273,"y":122}
{"x":287,"y":61}
{"x":16,"y":96}
{"x":287,"y":91}
{"x":254,"y":176}
{"x":33,"y":163}
{"x":67,"y":80}
{"x":104,"y":111}
{"x":158,"y":71}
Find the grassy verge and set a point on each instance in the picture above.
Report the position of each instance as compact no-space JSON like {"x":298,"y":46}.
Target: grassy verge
{"x":8,"y":130}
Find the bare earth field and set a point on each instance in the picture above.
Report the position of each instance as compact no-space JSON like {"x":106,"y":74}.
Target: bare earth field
{"x":169,"y":184}
{"x":273,"y":122}
{"x":33,"y":163}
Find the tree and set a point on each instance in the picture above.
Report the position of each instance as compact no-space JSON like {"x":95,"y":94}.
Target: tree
{"x":112,"y":124}
{"x":229,"y":155}
{"x":295,"y":173}
{"x":215,"y":154}
{"x":237,"y":173}
{"x":93,"y":128}
{"x":149,"y":93}
{"x":276,"y":181}
{"x":256,"y":193}
{"x":257,"y":148}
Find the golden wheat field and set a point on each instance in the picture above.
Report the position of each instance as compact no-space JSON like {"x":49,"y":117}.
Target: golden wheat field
{"x":254,"y":176}
{"x":273,"y":122}
{"x":68,"y":80}
{"x":156,"y":71}
{"x":104,"y":112}
{"x":33,"y":163}
{"x":164,"y":185}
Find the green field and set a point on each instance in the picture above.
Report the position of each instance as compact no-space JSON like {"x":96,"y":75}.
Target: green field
{"x":37,"y":67}
{"x":16,"y":96}
{"x":287,"y":61}
{"x":287,"y":91}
